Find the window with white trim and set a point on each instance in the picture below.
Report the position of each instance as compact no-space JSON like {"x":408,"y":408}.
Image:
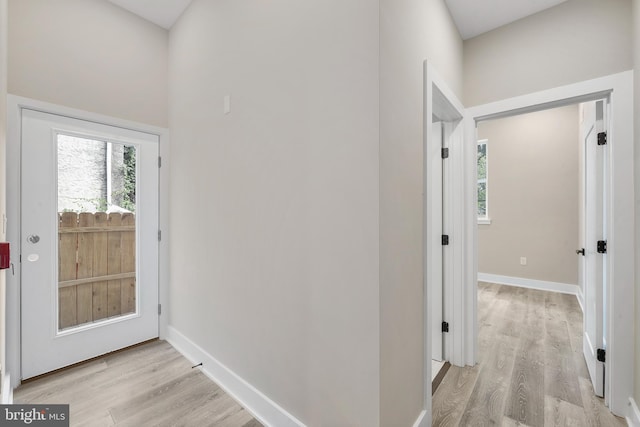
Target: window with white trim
{"x":483,"y":169}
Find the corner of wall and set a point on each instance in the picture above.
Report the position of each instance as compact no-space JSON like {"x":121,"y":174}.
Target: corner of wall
{"x":428,"y":34}
{"x":636,"y":63}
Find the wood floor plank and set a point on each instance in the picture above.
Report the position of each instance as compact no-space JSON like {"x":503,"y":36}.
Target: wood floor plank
{"x":98,"y":421}
{"x":51,"y":388}
{"x":560,"y":376}
{"x":118,"y":390}
{"x":508,"y":422}
{"x":526,"y":392}
{"x":151,"y":384}
{"x":559,"y":413}
{"x":518,"y":299}
{"x":490,"y":392}
{"x":488,"y":327}
{"x":548,"y":384}
{"x":177,"y":398}
{"x":534,"y":326}
{"x":450,"y":398}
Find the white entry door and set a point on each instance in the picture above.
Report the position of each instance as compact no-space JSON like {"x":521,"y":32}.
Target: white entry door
{"x":89,"y":240}
{"x":594,"y":345}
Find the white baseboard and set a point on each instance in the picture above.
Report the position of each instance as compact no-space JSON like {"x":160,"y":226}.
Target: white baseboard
{"x":541,"y":285}
{"x":633,"y":417}
{"x":7,"y":390}
{"x":260,"y":406}
{"x":422,"y":420}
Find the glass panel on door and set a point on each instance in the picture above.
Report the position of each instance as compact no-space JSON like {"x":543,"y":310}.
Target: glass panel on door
{"x":96,"y":217}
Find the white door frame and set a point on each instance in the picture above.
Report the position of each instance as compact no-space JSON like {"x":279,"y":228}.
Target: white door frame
{"x":435,"y":270}
{"x":620,"y":208}
{"x":15,"y":104}
{"x":440,"y":101}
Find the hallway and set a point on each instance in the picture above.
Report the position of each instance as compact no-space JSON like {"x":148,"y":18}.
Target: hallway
{"x":531,"y":370}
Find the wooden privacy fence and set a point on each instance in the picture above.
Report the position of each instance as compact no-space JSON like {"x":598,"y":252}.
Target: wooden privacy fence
{"x":96,"y":266}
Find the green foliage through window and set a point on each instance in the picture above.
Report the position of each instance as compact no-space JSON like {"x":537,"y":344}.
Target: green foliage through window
{"x":129,"y":199}
{"x":482,"y":179}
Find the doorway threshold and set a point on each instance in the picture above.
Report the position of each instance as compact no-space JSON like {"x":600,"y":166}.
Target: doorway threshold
{"x":438,"y":371}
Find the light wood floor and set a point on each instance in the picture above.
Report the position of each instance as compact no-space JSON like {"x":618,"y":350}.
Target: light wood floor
{"x":531,"y":370}
{"x":149,"y":385}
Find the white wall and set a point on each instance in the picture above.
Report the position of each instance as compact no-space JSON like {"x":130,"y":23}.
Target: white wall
{"x":533,"y":196}
{"x":636,"y":60}
{"x":575,"y":41}
{"x":410,"y":32}
{"x":90,"y":55}
{"x":274,"y":213}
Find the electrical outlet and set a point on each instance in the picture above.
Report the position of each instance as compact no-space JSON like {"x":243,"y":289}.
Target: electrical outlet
{"x":523,"y":260}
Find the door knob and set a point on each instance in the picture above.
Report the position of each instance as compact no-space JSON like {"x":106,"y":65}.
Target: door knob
{"x":580,"y":251}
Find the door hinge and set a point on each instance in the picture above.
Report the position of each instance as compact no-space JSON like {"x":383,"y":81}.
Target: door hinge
{"x":445,"y":326}
{"x":601,"y":355}
{"x":602,"y":246}
{"x":445,"y":240}
{"x":444,"y":153}
{"x":159,"y":235}
{"x":159,"y":161}
{"x":159,"y":309}
{"x":602,"y":138}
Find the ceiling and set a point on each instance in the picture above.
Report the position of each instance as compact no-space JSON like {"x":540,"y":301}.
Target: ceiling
{"x":161,"y":12}
{"x":472,"y":17}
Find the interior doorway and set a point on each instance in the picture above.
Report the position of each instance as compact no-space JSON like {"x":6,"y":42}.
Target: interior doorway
{"x":541,"y":182}
{"x":619,"y":204}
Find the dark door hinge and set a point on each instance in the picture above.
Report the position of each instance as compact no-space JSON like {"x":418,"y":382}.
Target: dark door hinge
{"x":601,"y":355}
{"x":445,"y":240}
{"x":445,"y":153}
{"x":602,"y":138}
{"x":159,"y":161}
{"x":159,"y":309}
{"x":159,"y":235}
{"x":602,"y":246}
{"x":445,"y":326}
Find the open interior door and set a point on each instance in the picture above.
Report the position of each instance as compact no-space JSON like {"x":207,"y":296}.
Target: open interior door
{"x":593,"y":137}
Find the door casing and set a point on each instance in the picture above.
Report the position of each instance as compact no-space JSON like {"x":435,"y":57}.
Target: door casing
{"x":462,"y":291}
{"x":442,"y":105}
{"x":15,"y":104}
{"x":619,"y":206}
